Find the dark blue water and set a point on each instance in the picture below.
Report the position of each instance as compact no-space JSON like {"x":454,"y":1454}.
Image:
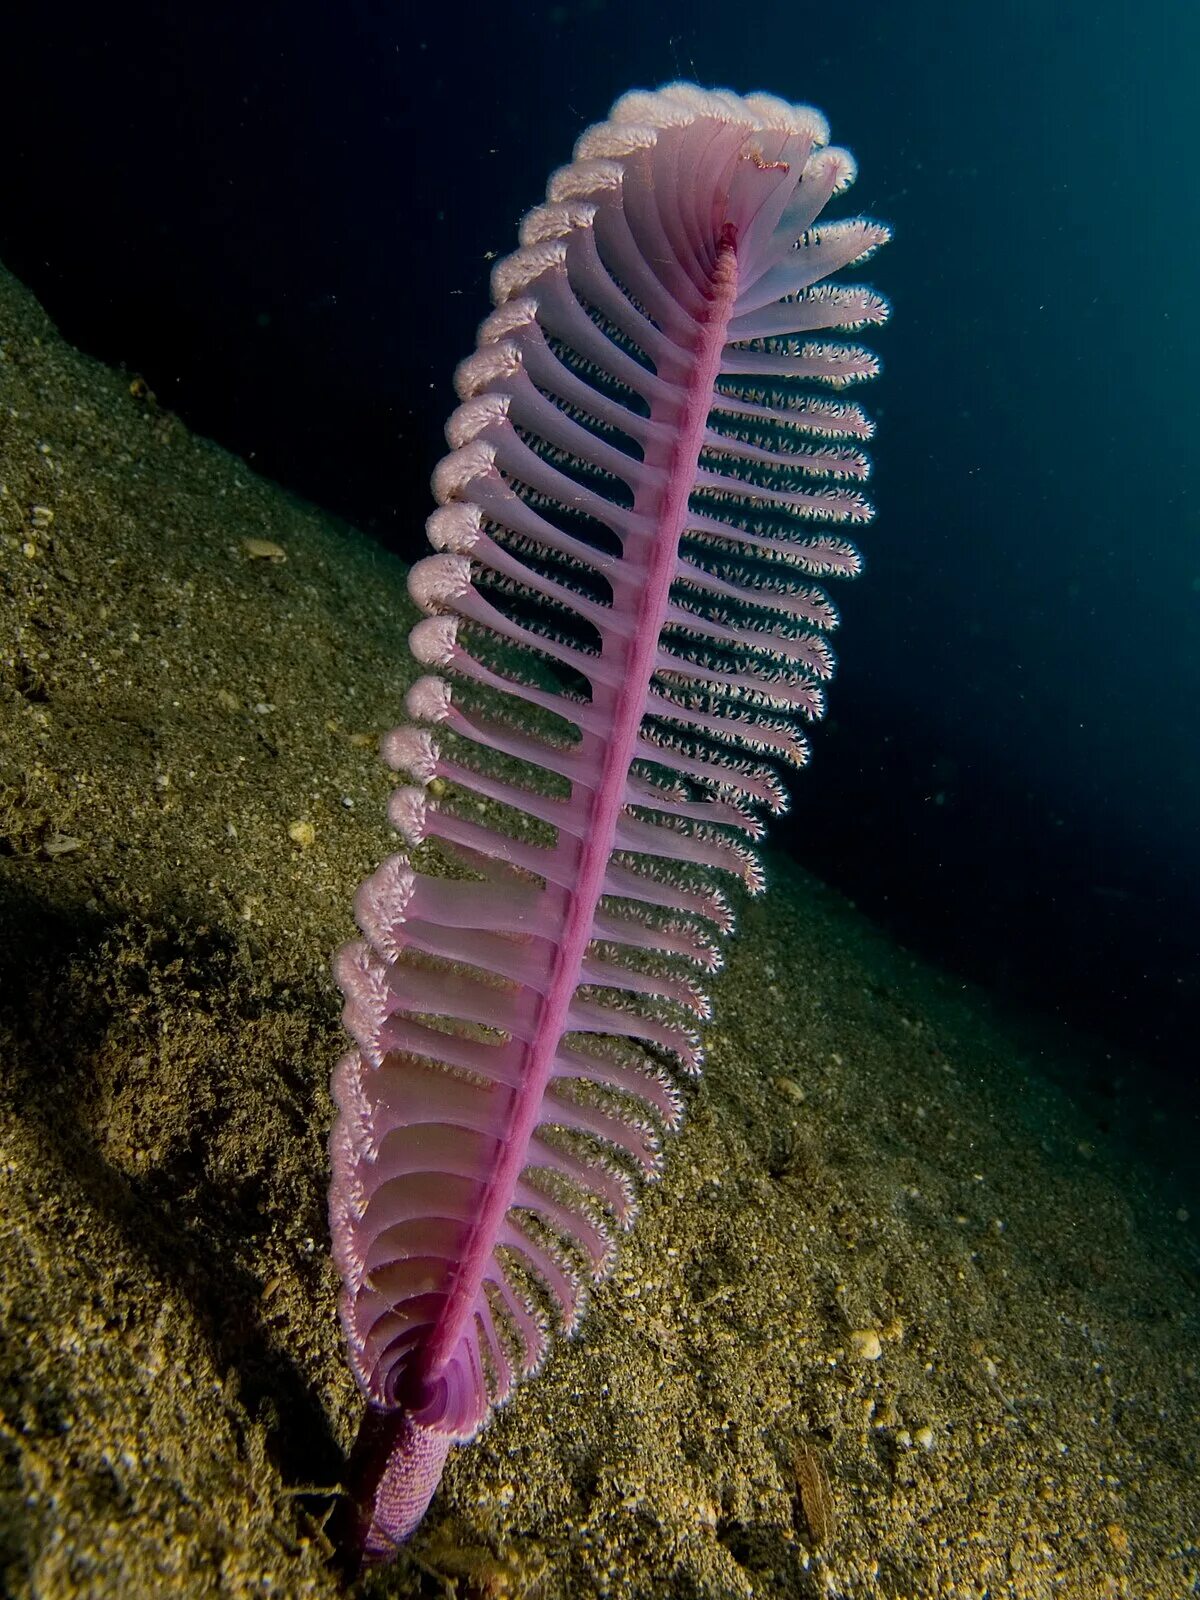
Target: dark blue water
{"x":282,"y":217}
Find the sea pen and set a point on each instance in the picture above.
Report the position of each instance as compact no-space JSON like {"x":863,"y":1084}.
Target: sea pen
{"x":645,"y":477}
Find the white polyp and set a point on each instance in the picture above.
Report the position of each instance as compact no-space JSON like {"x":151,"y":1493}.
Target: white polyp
{"x":362,"y":978}
{"x":347,"y":1207}
{"x":720,"y":105}
{"x":428,"y":700}
{"x":355,"y":972}
{"x":408,"y":810}
{"x":507,"y":319}
{"x":352,"y":1141}
{"x":794,"y":119}
{"x":474,"y":417}
{"x":456,"y":471}
{"x":608,"y":141}
{"x":394,"y":884}
{"x":371,"y":917}
{"x":581,"y":178}
{"x":648,"y":108}
{"x":454,"y":527}
{"x":514,"y":274}
{"x":381,"y":904}
{"x":352,"y":1101}
{"x":411,"y":750}
{"x":862,"y":235}
{"x":554,"y":221}
{"x":436,"y":582}
{"x":433,"y":641}
{"x":841,"y":162}
{"x":500,"y":359}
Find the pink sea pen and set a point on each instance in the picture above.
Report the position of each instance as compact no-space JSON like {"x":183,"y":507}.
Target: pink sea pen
{"x":645,"y":480}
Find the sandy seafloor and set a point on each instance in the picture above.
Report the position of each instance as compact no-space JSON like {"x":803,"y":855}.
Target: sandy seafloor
{"x":892,"y":1251}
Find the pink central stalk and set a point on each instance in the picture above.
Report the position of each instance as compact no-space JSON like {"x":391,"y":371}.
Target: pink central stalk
{"x":668,"y":518}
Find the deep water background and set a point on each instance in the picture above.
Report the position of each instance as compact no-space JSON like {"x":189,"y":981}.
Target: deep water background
{"x":282,"y":218}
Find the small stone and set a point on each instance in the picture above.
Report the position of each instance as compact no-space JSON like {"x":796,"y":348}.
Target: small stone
{"x":865,"y":1345}
{"x":41,"y":516}
{"x":924,"y":1437}
{"x":264,"y":550}
{"x":61,"y":844}
{"x":302,"y":833}
{"x":1117,"y":1538}
{"x":788,"y":1087}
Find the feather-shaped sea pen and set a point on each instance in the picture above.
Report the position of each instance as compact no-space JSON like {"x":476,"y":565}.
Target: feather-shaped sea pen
{"x":646,"y":475}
